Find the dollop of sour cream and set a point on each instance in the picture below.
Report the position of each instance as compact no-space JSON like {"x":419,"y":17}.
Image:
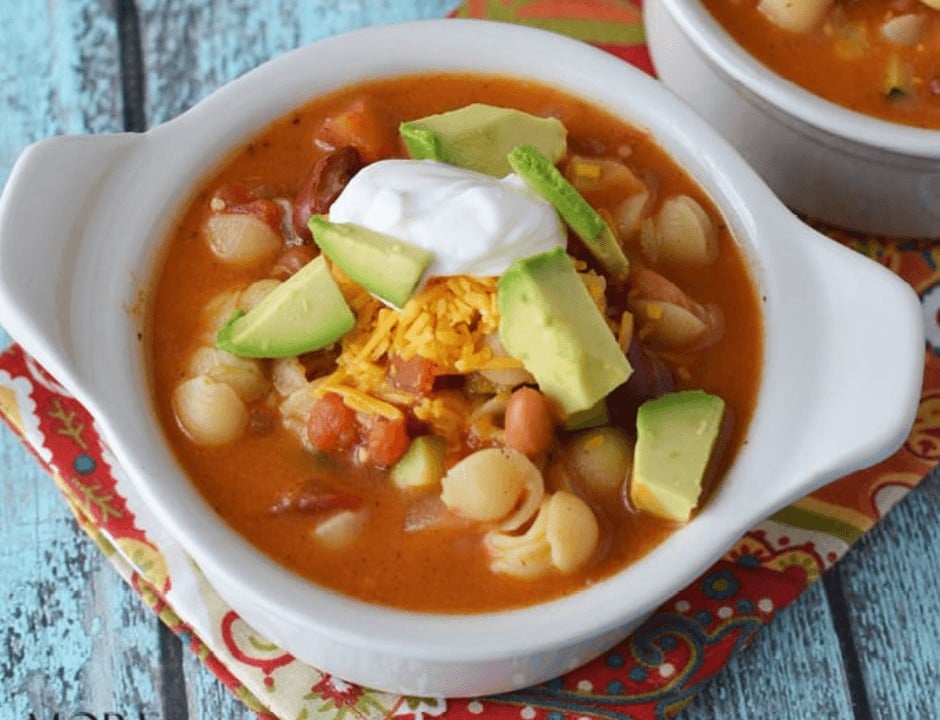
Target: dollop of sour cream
{"x":474,"y":224}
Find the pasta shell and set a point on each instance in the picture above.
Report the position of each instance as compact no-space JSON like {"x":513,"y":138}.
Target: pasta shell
{"x":571,"y":530}
{"x":684,"y":233}
{"x":488,"y":485}
{"x":525,"y":556}
{"x":667,"y":326}
{"x":509,"y":377}
{"x":563,"y":536}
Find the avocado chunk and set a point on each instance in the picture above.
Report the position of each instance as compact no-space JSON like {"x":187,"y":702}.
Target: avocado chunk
{"x":549,"y":322}
{"x":387,"y":267}
{"x":422,"y":465}
{"x":306,"y":312}
{"x":479,"y":137}
{"x":676,"y":435}
{"x":541,"y":175}
{"x":592,"y":417}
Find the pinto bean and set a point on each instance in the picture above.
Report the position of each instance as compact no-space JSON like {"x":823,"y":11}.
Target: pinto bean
{"x":322,"y":186}
{"x":528,"y":426}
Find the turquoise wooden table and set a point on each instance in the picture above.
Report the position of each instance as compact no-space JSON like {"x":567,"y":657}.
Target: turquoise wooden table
{"x":864,"y":643}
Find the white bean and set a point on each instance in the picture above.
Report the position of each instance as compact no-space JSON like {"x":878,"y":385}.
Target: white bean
{"x":243,"y":375}
{"x":907,"y":29}
{"x":255,"y":293}
{"x":210,"y":412}
{"x":241,"y":239}
{"x":340,"y":530}
{"x":602,"y":458}
{"x":217,"y":312}
{"x":288,"y":375}
{"x":295,"y":410}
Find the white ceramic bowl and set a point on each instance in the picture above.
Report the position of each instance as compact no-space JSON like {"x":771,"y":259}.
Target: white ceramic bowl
{"x":821,"y":159}
{"x":83,"y":220}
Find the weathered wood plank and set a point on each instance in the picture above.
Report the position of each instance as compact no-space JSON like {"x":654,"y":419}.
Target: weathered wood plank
{"x":73,"y":635}
{"x":59,"y":73}
{"x":192,"y":47}
{"x":207,"y":697}
{"x":793,"y":669}
{"x":56,"y":585}
{"x":891,"y":584}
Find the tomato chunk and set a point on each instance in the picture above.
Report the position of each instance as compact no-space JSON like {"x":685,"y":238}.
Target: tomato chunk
{"x":331,"y":426}
{"x":387,"y":440}
{"x":367,"y":125}
{"x":416,"y":374}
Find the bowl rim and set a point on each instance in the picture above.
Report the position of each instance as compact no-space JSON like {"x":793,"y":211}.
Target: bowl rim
{"x":791,"y":99}
{"x":457,"y":637}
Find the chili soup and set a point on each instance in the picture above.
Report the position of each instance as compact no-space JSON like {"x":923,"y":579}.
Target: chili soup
{"x":878,"y":57}
{"x":434,"y":443}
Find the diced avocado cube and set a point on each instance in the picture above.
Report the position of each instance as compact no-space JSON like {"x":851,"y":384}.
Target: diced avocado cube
{"x":385,"y":266}
{"x":549,"y":322}
{"x":592,"y":417}
{"x":422,"y":465}
{"x":479,"y":137}
{"x":676,"y":436}
{"x":541,"y":175}
{"x":304,"y":313}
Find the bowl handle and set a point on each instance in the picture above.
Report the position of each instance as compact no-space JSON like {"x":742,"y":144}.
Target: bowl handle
{"x":51,"y":192}
{"x":864,"y":399}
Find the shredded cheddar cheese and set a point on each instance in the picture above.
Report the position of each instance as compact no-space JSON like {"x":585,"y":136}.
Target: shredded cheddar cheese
{"x":445,"y":323}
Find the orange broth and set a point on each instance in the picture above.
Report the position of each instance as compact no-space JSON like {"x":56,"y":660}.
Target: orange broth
{"x":446,"y":569}
{"x":846,"y":60}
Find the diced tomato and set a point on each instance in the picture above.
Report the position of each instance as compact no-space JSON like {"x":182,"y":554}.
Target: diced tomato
{"x":416,"y":374}
{"x":387,"y":440}
{"x":331,"y":426}
{"x":368,"y":126}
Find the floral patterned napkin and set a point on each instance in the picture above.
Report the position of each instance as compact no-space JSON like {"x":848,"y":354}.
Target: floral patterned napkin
{"x":652,"y":674}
